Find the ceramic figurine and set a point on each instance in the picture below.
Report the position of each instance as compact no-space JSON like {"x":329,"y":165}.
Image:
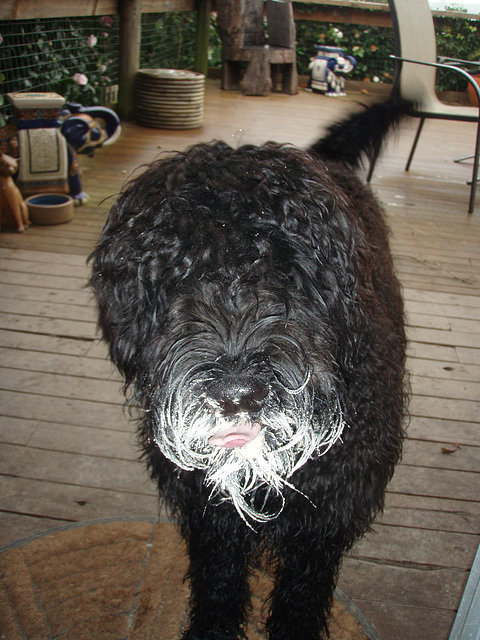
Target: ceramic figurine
{"x":86,"y":129}
{"x":49,"y":137}
{"x":327,"y":70}
{"x":12,"y":206}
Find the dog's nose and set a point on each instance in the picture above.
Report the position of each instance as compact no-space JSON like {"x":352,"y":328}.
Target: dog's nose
{"x":234,"y":394}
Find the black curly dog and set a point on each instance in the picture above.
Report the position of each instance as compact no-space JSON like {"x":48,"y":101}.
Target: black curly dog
{"x":249,"y":299}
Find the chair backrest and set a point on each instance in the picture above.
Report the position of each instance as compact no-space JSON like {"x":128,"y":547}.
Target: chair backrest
{"x":415,"y":39}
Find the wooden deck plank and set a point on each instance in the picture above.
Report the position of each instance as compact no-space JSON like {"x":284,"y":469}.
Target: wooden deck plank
{"x":71,"y":365}
{"x":67,"y":502}
{"x":18,"y":526}
{"x":433,"y":321}
{"x":403,"y":585}
{"x":429,"y":351}
{"x":408,"y":621}
{"x":418,"y":546}
{"x":54,"y":310}
{"x":436,"y":336}
{"x":48,"y":326}
{"x":448,"y":370}
{"x":43,"y":256}
{"x":443,"y":430}
{"x":68,"y":446}
{"x":468,"y":356}
{"x":44,"y":268}
{"x":64,"y":411}
{"x":96,"y":472}
{"x":451,"y":300}
{"x":69,"y":438}
{"x":75,"y":298}
{"x":434,"y":514}
{"x":61,"y":386}
{"x":40,"y":280}
{"x":49,"y":343}
{"x":445,"y":408}
{"x":430,"y":453}
{"x":436,"y":483}
{"x":441,"y":388}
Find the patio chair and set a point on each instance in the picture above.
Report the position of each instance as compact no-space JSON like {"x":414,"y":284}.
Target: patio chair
{"x":415,"y":76}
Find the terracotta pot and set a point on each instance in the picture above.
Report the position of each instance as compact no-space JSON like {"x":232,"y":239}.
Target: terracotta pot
{"x":471,"y":92}
{"x":50,"y":208}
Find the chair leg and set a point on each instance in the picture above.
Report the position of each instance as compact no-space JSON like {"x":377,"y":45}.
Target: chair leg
{"x":473,"y":188}
{"x":417,"y":136}
{"x":463,"y":158}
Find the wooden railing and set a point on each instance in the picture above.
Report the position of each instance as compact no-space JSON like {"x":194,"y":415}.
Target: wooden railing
{"x":342,"y":11}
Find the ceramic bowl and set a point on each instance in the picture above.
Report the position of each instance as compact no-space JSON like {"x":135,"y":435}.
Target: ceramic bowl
{"x":50,"y":208}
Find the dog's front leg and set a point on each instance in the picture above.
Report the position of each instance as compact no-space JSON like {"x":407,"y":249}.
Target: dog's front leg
{"x":219,"y":548}
{"x":304,"y":584}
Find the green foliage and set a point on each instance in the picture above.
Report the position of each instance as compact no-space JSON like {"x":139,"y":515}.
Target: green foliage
{"x":456,"y":38}
{"x":370,"y":46}
{"x":215,"y":45}
{"x":73,"y":57}
{"x":168,"y":40}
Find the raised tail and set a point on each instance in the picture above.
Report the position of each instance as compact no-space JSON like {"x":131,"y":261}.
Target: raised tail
{"x":362,"y":134}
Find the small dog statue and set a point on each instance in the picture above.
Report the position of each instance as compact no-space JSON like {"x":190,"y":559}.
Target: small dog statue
{"x":13,"y":208}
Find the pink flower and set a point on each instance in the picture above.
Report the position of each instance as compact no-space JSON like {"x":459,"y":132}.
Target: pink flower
{"x":107,"y":21}
{"x":92,"y":40}
{"x":80,"y":78}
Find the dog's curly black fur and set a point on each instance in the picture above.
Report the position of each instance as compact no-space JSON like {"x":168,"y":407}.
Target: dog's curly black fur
{"x":248,"y":297}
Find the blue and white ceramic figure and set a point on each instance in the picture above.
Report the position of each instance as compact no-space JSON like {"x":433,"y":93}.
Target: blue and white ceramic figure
{"x":328,"y":69}
{"x":49,"y":136}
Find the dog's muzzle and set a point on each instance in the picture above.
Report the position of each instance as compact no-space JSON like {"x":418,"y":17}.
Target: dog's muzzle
{"x":237,"y":396}
{"x":248,"y":424}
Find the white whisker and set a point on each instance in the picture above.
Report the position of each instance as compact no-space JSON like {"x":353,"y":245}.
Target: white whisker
{"x":290,"y":435}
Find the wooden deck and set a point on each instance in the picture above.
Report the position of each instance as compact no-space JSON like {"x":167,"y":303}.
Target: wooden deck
{"x":68,"y":452}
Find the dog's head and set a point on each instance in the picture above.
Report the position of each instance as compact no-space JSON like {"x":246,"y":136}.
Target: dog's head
{"x":224,"y":284}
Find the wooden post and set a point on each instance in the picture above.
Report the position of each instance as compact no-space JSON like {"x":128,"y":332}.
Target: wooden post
{"x":130,"y":34}
{"x":202,"y":35}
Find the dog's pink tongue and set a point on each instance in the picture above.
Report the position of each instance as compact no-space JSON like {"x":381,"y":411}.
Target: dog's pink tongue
{"x":236,"y":435}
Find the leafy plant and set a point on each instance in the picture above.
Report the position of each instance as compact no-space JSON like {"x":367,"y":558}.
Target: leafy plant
{"x":371,"y":46}
{"x":49,"y":55}
{"x":456,"y":38}
{"x":168,"y":40}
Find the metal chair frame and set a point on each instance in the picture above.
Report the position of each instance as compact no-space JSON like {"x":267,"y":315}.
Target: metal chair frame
{"x":418,"y":86}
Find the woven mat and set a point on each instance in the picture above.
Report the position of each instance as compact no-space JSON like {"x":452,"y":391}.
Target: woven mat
{"x":119,"y":580}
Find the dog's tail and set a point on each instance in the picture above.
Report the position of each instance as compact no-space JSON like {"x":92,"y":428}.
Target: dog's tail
{"x":362,"y":134}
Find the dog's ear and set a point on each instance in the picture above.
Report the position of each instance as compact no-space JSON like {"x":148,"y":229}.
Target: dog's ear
{"x":127,"y":279}
{"x":125,"y":309}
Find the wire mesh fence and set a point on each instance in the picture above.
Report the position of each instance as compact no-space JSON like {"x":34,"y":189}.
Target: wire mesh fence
{"x":76,"y":57}
{"x":168,"y":40}
{"x":79,"y":57}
